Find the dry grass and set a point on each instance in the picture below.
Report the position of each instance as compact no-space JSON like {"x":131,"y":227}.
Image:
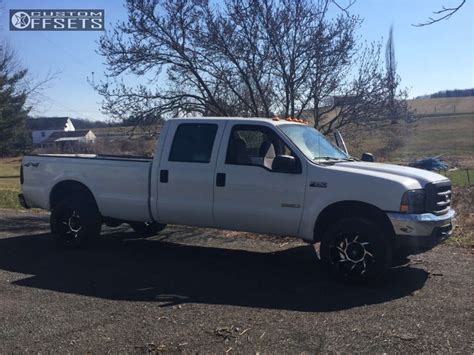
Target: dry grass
{"x":10,"y":173}
{"x":443,"y":126}
{"x":9,"y":182}
{"x":450,"y":136}
{"x":442,"y":106}
{"x":143,"y":146}
{"x":463,"y":201}
{"x":128,"y":132}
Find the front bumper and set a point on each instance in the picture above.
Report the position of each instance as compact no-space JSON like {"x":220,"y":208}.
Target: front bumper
{"x":421,"y":231}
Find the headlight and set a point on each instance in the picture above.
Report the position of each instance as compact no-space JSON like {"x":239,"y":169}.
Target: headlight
{"x":413,"y":201}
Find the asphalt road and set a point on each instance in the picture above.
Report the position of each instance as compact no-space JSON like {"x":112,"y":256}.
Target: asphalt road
{"x":199,"y":290}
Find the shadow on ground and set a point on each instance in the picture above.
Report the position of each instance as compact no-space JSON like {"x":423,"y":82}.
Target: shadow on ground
{"x":122,"y":268}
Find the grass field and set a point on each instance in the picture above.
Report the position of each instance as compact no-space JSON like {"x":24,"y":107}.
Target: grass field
{"x":442,"y":106}
{"x":449,"y":136}
{"x":461,"y":177}
{"x":444,"y":126}
{"x":9,"y":182}
{"x":452,"y":136}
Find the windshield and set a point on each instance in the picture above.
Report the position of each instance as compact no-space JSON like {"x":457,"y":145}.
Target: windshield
{"x":312,"y":143}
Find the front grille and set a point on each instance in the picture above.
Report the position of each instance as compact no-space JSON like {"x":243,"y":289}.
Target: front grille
{"x":438,"y":197}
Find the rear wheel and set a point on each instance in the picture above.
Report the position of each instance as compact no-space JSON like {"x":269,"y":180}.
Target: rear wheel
{"x":147,"y":229}
{"x":356,"y":249}
{"x":75,"y":222}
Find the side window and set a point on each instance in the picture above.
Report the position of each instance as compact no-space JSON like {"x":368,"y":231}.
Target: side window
{"x":193,"y":143}
{"x":254,"y":145}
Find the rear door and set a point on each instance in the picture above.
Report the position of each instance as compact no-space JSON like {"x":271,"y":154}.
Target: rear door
{"x":250,"y":195}
{"x":186,"y":172}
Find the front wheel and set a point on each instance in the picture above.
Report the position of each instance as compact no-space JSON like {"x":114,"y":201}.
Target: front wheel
{"x":147,"y":229}
{"x":356,"y":249}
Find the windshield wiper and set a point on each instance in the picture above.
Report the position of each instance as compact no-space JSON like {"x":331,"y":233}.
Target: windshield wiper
{"x":332,"y":159}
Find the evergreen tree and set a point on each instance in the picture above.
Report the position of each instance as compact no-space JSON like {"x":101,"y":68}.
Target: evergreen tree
{"x":13,"y":108}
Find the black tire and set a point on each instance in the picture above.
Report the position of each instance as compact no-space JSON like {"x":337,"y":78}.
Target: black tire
{"x":400,"y":256}
{"x":356,"y":250}
{"x":147,"y":229}
{"x":75,"y":222}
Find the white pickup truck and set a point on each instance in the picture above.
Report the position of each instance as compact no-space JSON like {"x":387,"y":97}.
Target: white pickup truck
{"x":271,"y":176}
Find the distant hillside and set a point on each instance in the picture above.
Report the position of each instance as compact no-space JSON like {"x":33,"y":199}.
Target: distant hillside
{"x":448,"y":93}
{"x":442,"y":106}
{"x":81,"y":123}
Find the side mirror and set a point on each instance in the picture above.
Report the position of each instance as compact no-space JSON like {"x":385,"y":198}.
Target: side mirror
{"x":368,"y":157}
{"x":340,"y":141}
{"x":286,"y":164}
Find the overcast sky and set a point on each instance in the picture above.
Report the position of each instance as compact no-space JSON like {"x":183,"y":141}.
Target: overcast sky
{"x":430,"y":59}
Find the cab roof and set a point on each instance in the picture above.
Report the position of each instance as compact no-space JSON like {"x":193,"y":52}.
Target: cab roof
{"x":275,"y":120}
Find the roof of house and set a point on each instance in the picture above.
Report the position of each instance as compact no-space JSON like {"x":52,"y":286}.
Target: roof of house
{"x":66,"y":136}
{"x":68,"y":139}
{"x":46,"y":123}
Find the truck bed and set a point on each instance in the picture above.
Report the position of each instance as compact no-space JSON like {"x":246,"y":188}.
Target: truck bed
{"x":120,"y":184}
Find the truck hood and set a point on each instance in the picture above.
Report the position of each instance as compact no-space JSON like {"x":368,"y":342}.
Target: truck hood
{"x":423,"y":177}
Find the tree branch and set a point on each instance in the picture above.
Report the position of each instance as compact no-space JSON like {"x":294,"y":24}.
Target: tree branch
{"x":445,"y":13}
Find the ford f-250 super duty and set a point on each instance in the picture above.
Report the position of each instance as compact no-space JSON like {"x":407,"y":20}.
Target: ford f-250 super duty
{"x":270,"y":176}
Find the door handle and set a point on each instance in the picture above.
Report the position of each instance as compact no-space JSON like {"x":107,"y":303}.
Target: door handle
{"x":164,"y":176}
{"x":29,"y":163}
{"x":220,"y":179}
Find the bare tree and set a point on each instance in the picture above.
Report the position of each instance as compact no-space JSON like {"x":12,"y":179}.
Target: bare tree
{"x":247,"y":58}
{"x":444,"y":14}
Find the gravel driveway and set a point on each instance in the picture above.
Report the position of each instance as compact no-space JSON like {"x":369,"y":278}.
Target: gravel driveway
{"x":200,"y":290}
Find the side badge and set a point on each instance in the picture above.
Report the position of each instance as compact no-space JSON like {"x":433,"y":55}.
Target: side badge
{"x":320,"y":184}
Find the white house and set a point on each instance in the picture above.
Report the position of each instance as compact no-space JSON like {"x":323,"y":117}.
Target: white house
{"x":50,"y":126}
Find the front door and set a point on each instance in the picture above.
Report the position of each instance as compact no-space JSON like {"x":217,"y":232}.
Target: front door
{"x":249,"y":194}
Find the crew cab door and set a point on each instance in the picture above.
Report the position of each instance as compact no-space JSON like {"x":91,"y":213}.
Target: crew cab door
{"x":250,"y":194}
{"x":186,"y":172}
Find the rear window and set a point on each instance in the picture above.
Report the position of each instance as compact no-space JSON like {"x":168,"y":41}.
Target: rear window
{"x":193,"y":143}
